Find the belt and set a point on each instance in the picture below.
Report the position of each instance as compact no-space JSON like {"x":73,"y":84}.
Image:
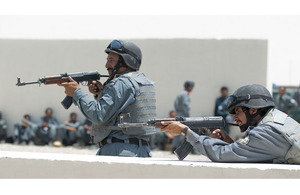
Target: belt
{"x":116,"y":140}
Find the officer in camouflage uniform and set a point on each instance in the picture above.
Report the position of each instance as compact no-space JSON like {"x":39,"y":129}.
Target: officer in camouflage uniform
{"x":127,"y":96}
{"x":272,"y":136}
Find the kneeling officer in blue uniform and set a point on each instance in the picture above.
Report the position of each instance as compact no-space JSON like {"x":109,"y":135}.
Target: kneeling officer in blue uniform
{"x":127,"y":96}
{"x":272,"y":136}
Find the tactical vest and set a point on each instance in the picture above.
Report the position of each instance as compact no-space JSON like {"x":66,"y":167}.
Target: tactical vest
{"x":289,"y":128}
{"x":141,"y":110}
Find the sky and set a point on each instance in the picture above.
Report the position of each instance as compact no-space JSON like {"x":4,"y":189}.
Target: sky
{"x":169,"y":20}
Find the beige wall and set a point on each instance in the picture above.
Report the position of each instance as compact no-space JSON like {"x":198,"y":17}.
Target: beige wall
{"x":210,"y":63}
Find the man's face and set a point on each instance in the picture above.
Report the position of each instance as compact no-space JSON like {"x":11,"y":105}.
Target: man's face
{"x":48,"y":113}
{"x":240,"y":116}
{"x":281,"y":91}
{"x":224,"y":93}
{"x":111,"y":62}
{"x":172,"y":114}
{"x":73,"y":117}
{"x":190,"y":88}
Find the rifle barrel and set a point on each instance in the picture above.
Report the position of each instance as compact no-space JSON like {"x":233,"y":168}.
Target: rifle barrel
{"x":19,"y":83}
{"x":128,"y":125}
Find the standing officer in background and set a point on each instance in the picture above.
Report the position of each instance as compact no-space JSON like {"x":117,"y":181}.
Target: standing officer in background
{"x":284,"y":102}
{"x":272,"y":136}
{"x":126,"y":96}
{"x":297,"y":95}
{"x":183,"y":101}
{"x":3,"y":128}
{"x":182,"y":108}
{"x":221,"y":105}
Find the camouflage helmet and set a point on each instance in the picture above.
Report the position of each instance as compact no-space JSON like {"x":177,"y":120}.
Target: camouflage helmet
{"x":250,"y":96}
{"x":129,"y":51}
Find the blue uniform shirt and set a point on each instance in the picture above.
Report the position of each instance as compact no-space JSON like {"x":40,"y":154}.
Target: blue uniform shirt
{"x":105,"y":110}
{"x":221,"y":107}
{"x":114,"y":98}
{"x":262,"y":144}
{"x":285,"y":103}
{"x":182,"y":104}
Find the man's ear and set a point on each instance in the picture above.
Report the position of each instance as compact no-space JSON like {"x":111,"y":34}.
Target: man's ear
{"x":253,"y":110}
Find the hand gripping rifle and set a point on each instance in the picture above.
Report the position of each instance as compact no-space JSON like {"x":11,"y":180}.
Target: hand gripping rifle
{"x":197,"y":124}
{"x":78,"y":77}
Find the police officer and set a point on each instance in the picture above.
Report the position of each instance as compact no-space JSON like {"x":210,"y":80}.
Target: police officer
{"x":182,"y":107}
{"x":71,"y":132}
{"x":25,"y":130}
{"x":49,"y":130}
{"x":3,"y":128}
{"x":127,"y":96}
{"x":182,"y":101}
{"x":284,"y":102}
{"x":221,"y":105}
{"x":272,"y":136}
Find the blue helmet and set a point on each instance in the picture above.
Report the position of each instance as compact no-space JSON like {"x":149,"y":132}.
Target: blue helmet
{"x":250,"y":96}
{"x":129,"y":51}
{"x":189,"y":83}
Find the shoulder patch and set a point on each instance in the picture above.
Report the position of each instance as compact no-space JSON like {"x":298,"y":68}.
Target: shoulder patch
{"x":244,"y":141}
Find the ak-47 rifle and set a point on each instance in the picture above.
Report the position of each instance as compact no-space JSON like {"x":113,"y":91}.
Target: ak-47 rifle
{"x":197,"y":124}
{"x":78,"y":77}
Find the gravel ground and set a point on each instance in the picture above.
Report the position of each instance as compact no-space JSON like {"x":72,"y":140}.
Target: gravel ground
{"x":90,"y":150}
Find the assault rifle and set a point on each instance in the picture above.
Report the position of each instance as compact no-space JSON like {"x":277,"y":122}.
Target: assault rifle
{"x":78,"y":77}
{"x":197,"y":124}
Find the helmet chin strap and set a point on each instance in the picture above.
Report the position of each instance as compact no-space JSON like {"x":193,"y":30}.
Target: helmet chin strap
{"x":250,"y":120}
{"x":117,"y":67}
{"x":115,"y":70}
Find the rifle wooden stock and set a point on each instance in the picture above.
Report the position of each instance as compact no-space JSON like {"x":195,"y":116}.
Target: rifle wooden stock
{"x":57,"y":79}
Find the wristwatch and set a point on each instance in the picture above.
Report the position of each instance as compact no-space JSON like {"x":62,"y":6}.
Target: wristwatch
{"x":184,"y":131}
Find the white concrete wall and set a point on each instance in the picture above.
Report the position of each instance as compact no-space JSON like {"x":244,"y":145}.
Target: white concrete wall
{"x":210,"y":63}
{"x":50,"y":165}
